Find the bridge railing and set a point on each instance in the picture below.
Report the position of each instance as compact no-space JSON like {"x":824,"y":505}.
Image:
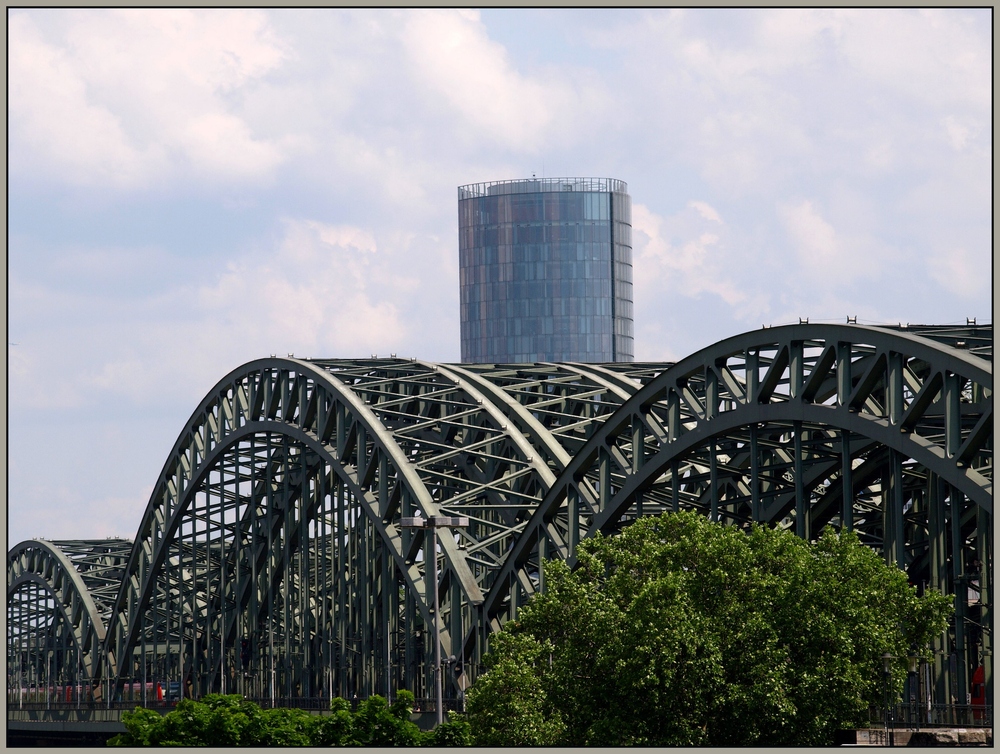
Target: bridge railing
{"x":91,"y":705}
{"x":307,"y":703}
{"x":915,"y":716}
{"x":64,"y":713}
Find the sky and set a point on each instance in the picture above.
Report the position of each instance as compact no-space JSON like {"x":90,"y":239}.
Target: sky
{"x":193,"y":189}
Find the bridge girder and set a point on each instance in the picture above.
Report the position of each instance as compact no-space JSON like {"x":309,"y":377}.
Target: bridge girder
{"x":818,"y":377}
{"x":756,"y":428}
{"x":402,"y":437}
{"x":270,"y":558}
{"x":59,"y":596}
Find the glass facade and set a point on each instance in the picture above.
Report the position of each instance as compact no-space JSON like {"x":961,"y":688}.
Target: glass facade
{"x":545,"y":269}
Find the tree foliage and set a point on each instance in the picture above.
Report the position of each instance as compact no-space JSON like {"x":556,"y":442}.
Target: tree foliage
{"x":680,"y":631}
{"x":509,"y":705}
{"x":216,"y":720}
{"x":230,"y":720}
{"x":376,"y":723}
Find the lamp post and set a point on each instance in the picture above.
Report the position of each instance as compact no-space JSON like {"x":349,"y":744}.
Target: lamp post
{"x":887,"y":685}
{"x":913,"y":687}
{"x":432,"y":524}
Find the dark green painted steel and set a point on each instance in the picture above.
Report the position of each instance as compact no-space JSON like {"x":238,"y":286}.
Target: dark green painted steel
{"x":60,"y":597}
{"x":271,"y":559}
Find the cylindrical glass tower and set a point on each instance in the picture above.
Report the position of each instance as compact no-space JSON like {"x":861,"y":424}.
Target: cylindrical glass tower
{"x":545,"y":266}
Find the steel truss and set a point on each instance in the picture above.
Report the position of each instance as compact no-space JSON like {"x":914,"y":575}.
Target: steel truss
{"x":884,"y":431}
{"x":60,"y":596}
{"x":271,"y":559}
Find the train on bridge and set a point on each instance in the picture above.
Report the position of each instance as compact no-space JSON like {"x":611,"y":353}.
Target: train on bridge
{"x":80,"y":695}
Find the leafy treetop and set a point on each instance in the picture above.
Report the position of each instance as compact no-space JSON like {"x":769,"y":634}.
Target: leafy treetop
{"x":230,"y":720}
{"x":681,"y":631}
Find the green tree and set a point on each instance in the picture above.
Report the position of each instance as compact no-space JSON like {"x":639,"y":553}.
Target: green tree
{"x":680,"y":631}
{"x":141,"y":725}
{"x":508,"y":705}
{"x":336,"y":729}
{"x":218,"y":720}
{"x":376,"y":723}
{"x":455,"y":731}
{"x":287,"y":727}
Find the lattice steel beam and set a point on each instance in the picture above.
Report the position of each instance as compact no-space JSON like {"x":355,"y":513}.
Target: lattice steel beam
{"x":271,"y":559}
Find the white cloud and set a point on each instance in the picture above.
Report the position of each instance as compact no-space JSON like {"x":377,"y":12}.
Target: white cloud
{"x":453,"y":57}
{"x":771,"y":43}
{"x":325,"y":292}
{"x":126,"y":98}
{"x":686,"y":257}
{"x":958,"y":271}
{"x":706,"y":211}
{"x":219,"y":144}
{"x":814,"y":239}
{"x":933,"y":56}
{"x":107,"y":515}
{"x":343,"y":236}
{"x":827,"y":256}
{"x":756,"y":99}
{"x":688,"y":276}
{"x":322,"y":291}
{"x":960,"y":131}
{"x":52,"y":119}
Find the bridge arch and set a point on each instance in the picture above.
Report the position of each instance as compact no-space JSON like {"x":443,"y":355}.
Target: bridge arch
{"x":322,"y":459}
{"x":270,"y":558}
{"x":769,"y":425}
{"x":57,"y":610}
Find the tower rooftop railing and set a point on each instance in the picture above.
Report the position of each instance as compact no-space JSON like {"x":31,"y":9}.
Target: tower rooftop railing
{"x":538,"y":185}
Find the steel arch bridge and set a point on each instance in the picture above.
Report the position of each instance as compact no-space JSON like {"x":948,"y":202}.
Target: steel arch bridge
{"x":271,"y":560}
{"x":60,"y":597}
